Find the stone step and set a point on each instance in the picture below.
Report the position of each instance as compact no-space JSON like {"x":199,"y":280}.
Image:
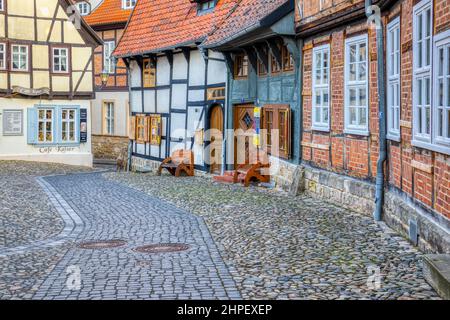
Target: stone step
{"x":436,"y":270}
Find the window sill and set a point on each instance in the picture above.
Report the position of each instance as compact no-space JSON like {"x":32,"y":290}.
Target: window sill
{"x":393,"y":137}
{"x":323,"y":129}
{"x":357,"y":132}
{"x":55,"y":144}
{"x":431,"y":147}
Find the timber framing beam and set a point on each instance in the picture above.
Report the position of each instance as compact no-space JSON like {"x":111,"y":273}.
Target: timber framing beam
{"x":275,"y":50}
{"x":261,"y":53}
{"x":229,"y":61}
{"x":291,"y":45}
{"x":252,"y":58}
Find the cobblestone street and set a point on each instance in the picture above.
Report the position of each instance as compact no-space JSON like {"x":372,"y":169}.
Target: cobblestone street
{"x":243,"y":243}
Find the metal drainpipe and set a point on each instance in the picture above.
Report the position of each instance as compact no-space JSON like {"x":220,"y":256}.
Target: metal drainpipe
{"x":379,"y":194}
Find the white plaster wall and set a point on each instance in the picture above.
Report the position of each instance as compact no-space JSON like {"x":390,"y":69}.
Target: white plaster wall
{"x":179,"y":67}
{"x":217,"y":72}
{"x":120,"y":100}
{"x":163,"y":102}
{"x":136,"y":101}
{"x":196,"y":69}
{"x":149,"y":101}
{"x":162,"y":71}
{"x":17,"y":147}
{"x":179,"y":92}
{"x":196,"y":95}
{"x":194,"y":120}
{"x":177,"y":125}
{"x":135,"y":74}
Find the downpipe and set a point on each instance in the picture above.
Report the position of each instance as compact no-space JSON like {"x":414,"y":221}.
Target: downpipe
{"x":374,"y":15}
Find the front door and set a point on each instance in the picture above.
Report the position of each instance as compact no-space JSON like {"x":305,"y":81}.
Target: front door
{"x":216,"y":126}
{"x":244,"y":121}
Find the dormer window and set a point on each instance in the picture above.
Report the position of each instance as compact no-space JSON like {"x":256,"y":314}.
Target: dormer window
{"x":84,"y":8}
{"x":128,"y":4}
{"x":206,"y":6}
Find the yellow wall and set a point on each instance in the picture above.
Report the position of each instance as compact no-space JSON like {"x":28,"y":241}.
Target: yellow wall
{"x":2,"y":25}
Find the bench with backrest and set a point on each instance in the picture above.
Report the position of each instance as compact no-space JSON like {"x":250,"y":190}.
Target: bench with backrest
{"x":180,"y":161}
{"x":256,"y":170}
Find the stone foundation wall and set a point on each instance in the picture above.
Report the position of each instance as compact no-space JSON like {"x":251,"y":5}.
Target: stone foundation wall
{"x":147,"y":165}
{"x":108,"y":147}
{"x":399,"y":210}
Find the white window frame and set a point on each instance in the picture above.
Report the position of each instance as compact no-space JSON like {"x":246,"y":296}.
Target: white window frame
{"x":323,"y":86}
{"x":128,"y":4}
{"x":60,"y":56}
{"x":20,"y":55}
{"x":349,"y":128}
{"x":393,"y":65}
{"x":441,"y":143}
{"x":69,"y":121}
{"x":3,"y":52}
{"x":108,"y":63}
{"x":2,"y":5}
{"x":421,"y":72}
{"x":109,"y":117}
{"x":45,"y":121}
{"x":84,"y":8}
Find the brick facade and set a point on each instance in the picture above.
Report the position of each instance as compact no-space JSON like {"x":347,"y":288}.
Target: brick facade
{"x":421,"y":175}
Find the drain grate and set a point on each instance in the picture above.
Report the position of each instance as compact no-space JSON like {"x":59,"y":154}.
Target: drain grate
{"x":162,"y":248}
{"x":101,"y":244}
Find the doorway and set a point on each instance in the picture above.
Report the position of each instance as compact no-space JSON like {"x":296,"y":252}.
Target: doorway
{"x":244,"y":121}
{"x":216,"y":129}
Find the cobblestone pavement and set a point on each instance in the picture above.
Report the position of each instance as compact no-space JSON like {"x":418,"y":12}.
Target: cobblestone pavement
{"x":27,"y":217}
{"x":279,"y":247}
{"x":114,"y":211}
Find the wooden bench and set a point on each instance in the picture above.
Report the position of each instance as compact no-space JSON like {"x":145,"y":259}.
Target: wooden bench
{"x":179,"y":161}
{"x":253,"y":171}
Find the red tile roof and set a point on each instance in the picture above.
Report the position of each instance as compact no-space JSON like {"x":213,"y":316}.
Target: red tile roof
{"x":108,"y":12}
{"x":248,"y":14}
{"x":158,"y":25}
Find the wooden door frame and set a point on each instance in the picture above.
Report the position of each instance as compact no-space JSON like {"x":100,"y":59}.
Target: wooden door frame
{"x":249,"y":105}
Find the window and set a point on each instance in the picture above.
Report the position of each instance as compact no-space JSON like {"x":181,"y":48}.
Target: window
{"x":108,"y":61}
{"x":441,"y":102}
{"x":19,"y":57}
{"x":287,"y":60}
{"x":356,"y":86}
{"x":215,"y":93}
{"x":241,"y":66}
{"x":149,"y":73}
{"x":155,"y":129}
{"x":68,"y":125}
{"x":141,"y":129}
{"x":262,"y":70}
{"x":321,"y":92}
{"x":84,"y":8}
{"x":274,"y":66}
{"x":2,"y":56}
{"x":2,"y":5}
{"x":45,"y":125}
{"x":393,"y":79}
{"x":128,"y":4}
{"x":206,"y":5}
{"x":108,"y":118}
{"x":277,"y":117}
{"x":422,"y":26}
{"x":60,"y":60}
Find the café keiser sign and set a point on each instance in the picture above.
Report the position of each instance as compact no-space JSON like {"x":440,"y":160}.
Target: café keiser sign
{"x":31,"y":92}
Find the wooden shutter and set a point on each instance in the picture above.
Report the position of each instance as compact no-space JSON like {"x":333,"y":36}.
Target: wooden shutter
{"x":32,"y":125}
{"x":132,"y":128}
{"x":280,"y":118}
{"x":147,"y":129}
{"x":155,"y":129}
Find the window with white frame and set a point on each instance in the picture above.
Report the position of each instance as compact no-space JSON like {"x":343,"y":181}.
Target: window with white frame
{"x":68,"y":125}
{"x":60,"y":60}
{"x":321,"y":92}
{"x":109,"y":118}
{"x":356,"y":86}
{"x":128,"y":4}
{"x":19,"y":57}
{"x":441,"y":103}
{"x":2,"y":56}
{"x":2,"y":5}
{"x":207,"y":5}
{"x":393,"y":79}
{"x":108,"y":61}
{"x":422,"y":29}
{"x":45,"y":125}
{"x":84,"y":8}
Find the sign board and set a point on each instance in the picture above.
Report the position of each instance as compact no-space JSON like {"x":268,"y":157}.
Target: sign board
{"x":12,"y":122}
{"x":83,"y":125}
{"x":32,"y":92}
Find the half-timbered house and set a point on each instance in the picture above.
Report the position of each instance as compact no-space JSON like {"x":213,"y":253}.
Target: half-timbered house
{"x":177,"y":91}
{"x":110,"y":109}
{"x":46,"y":82}
{"x":258,"y":42}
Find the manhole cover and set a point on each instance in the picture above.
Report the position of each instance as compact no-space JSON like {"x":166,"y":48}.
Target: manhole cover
{"x":101,"y":244}
{"x":162,"y":248}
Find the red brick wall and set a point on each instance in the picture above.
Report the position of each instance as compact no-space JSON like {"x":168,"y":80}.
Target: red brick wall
{"x":422,"y":174}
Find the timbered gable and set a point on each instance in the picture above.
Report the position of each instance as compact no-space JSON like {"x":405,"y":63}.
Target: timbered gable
{"x":47,"y":50}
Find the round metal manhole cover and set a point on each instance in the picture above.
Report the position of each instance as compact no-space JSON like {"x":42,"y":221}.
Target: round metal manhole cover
{"x":162,"y":248}
{"x":101,"y":244}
